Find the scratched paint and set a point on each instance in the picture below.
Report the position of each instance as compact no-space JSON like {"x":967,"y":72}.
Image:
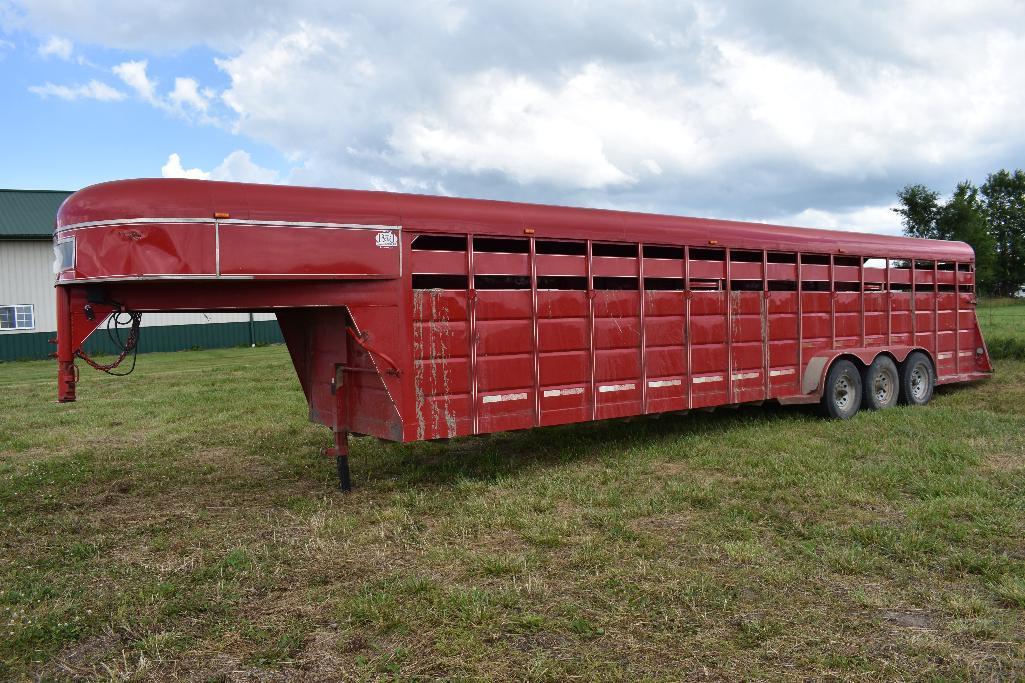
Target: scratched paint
{"x":436,"y":341}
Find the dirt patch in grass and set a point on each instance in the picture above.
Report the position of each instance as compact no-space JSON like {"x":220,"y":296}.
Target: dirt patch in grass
{"x":1004,"y":462}
{"x":910,"y":618}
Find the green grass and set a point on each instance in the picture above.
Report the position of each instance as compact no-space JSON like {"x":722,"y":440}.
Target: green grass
{"x":178,"y":523}
{"x":1003,"y":325}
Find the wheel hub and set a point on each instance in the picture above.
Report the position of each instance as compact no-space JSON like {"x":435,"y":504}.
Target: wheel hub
{"x":883,"y":388}
{"x":919,"y":382}
{"x":842,"y":393}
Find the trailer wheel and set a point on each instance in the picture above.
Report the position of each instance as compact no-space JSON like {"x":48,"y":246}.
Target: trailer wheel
{"x":917,"y":379}
{"x":881,"y":384}
{"x":842,"y":396}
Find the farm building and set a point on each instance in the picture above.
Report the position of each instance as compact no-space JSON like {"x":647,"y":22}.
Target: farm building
{"x":28,"y":318}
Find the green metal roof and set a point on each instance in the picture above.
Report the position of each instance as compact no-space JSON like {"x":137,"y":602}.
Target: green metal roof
{"x":29,"y":214}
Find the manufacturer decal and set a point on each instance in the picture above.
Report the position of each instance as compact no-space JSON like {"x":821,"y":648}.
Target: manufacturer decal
{"x":386,"y":239}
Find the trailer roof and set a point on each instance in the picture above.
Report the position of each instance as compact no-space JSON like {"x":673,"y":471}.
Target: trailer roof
{"x":185,"y":198}
{"x":29,"y":214}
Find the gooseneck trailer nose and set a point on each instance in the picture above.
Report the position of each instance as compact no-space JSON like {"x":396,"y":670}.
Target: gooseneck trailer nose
{"x":414,"y":317}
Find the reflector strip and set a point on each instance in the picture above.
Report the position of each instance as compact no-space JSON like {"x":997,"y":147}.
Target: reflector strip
{"x":745,"y":375}
{"x":616,"y":387}
{"x":496,"y":398}
{"x":711,"y":378}
{"x":563,"y":392}
{"x":784,"y":371}
{"x":966,"y":353}
{"x":664,"y":383}
{"x":944,"y":356}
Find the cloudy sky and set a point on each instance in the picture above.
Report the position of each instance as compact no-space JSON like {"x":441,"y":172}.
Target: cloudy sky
{"x":809,"y":113}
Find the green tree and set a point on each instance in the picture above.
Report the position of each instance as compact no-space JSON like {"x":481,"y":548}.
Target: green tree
{"x":1005,"y":217}
{"x":918,"y":208}
{"x":961,"y":218}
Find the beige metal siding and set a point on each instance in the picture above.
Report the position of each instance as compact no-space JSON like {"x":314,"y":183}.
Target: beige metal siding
{"x":26,"y":277}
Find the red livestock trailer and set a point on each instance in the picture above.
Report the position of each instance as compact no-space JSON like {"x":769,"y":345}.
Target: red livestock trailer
{"x":414,"y":317}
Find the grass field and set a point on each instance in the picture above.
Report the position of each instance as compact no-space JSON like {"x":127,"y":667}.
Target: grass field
{"x":178,"y":524}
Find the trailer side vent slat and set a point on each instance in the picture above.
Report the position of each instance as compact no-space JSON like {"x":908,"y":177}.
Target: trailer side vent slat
{"x":560,"y":248}
{"x":568,"y":282}
{"x":501,"y":282}
{"x":614,"y":249}
{"x":438,"y":243}
{"x":439,"y":281}
{"x":615,"y":283}
{"x":500,"y":245}
{"x":670,"y":284}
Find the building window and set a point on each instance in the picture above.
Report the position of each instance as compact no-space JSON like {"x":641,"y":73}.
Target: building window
{"x":21,"y":317}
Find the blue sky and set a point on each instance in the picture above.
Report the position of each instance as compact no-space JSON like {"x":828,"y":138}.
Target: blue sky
{"x":68,"y":144}
{"x":804,"y":113}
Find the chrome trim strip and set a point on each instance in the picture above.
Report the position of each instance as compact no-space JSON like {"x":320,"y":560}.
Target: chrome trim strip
{"x":229,"y":221}
{"x":711,"y":378}
{"x":123,"y":278}
{"x":659,"y":383}
{"x":549,"y":393}
{"x":497,"y":398}
{"x":616,"y":387}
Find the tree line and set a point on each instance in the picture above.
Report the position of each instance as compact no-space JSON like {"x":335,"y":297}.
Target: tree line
{"x":990,"y":217}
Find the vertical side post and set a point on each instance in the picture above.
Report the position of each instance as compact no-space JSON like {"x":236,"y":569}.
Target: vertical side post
{"x":936,"y":312}
{"x":643,"y":330}
{"x":590,"y":328}
{"x":800,"y":326}
{"x":729,"y":328}
{"x":861,"y":297}
{"x":914,"y":312}
{"x":534,"y":338}
{"x":889,"y":306}
{"x":957,"y":318}
{"x":832,"y":303}
{"x":471,"y":312}
{"x":686,"y":326}
{"x":65,"y":353}
{"x":765,"y":324}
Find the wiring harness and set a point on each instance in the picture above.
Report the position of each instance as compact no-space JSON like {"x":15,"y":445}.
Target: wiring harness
{"x":130,"y":346}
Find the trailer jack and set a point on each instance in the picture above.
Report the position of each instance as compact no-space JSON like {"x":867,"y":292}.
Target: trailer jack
{"x":340,"y":452}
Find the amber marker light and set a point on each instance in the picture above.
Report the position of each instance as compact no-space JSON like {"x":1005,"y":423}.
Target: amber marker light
{"x":222,"y":214}
{"x":528,"y":231}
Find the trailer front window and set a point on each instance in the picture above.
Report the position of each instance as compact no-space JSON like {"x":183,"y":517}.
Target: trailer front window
{"x":64,"y":255}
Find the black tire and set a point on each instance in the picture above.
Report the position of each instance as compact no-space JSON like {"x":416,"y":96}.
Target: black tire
{"x":841,"y":397}
{"x":917,"y":379}
{"x":880,"y":384}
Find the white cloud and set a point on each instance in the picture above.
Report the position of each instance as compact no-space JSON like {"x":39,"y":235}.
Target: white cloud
{"x":878,"y":219}
{"x":134,"y":75}
{"x":174,"y":169}
{"x":237,"y":167}
{"x":93,"y":90}
{"x":56,"y":46}
{"x":186,"y":93}
{"x":816,"y":114}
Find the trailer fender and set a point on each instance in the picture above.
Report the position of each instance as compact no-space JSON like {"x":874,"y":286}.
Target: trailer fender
{"x":818,"y":365}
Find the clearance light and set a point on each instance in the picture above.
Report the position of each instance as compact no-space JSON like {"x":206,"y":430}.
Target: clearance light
{"x":222,"y":214}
